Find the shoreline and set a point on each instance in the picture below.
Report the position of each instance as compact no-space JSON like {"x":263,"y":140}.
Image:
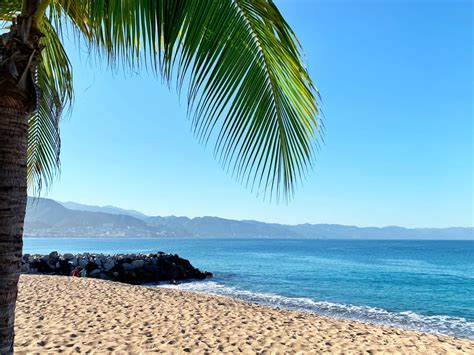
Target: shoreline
{"x":64,"y":314}
{"x":338,"y":311}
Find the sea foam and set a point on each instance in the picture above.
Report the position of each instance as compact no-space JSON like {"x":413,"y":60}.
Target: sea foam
{"x":440,"y":324}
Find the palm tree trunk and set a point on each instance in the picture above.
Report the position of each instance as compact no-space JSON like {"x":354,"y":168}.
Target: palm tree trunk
{"x":13,"y":197}
{"x":19,"y":53}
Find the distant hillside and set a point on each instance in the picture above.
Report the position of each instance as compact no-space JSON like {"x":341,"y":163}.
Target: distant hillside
{"x":336,"y":231}
{"x":220,"y":227}
{"x":47,"y":218}
{"x":105,"y":209}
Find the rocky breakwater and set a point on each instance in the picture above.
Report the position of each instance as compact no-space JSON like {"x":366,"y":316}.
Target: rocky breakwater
{"x":133,"y":269}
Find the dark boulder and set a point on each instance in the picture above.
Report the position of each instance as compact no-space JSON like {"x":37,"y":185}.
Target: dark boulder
{"x":129,"y":268}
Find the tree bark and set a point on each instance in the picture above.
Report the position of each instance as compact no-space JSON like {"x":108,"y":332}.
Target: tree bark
{"x":19,"y":53}
{"x":13,"y":198}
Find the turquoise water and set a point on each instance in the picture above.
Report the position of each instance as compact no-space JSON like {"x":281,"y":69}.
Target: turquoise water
{"x":423,"y":285}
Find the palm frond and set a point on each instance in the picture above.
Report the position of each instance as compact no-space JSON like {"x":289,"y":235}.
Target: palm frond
{"x":247,"y":86}
{"x":10,"y":6}
{"x":247,"y":79}
{"x":238,"y":61}
{"x":8,"y":9}
{"x":129,"y":32}
{"x":54,"y":81}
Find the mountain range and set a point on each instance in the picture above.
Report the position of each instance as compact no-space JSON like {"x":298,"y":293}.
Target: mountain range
{"x":49,"y":218}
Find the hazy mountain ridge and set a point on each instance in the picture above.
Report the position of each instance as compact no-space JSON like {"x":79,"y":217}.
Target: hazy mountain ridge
{"x":106,"y":209}
{"x":48,"y":218}
{"x":45,"y":217}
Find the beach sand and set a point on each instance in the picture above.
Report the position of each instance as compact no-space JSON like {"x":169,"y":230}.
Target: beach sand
{"x":64,"y":314}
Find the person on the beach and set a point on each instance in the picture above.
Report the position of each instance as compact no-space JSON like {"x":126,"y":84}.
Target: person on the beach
{"x":75,"y":273}
{"x":83,"y":273}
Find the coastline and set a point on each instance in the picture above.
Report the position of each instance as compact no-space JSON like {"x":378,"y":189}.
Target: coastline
{"x":57,"y":313}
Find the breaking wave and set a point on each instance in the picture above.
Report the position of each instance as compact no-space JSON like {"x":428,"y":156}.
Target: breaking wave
{"x":442,"y":324}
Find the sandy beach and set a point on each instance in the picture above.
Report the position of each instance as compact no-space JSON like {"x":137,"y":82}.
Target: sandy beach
{"x":68,"y":315}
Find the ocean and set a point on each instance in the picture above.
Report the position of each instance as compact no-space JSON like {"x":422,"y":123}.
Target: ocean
{"x":421,"y":285}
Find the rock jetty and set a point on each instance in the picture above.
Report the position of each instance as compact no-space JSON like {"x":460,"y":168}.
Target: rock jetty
{"x":133,"y":269}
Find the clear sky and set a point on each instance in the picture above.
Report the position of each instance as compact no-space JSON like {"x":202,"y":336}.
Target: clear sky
{"x":396,"y":81}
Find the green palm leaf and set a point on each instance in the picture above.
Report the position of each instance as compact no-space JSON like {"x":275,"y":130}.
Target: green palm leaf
{"x":247,"y":78}
{"x":54,"y":80}
{"x":8,"y":8}
{"x":238,"y":61}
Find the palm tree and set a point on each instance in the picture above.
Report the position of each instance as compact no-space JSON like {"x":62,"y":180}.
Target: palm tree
{"x":238,"y":60}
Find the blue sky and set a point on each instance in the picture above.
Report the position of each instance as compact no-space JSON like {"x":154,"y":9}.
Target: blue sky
{"x":396,"y":80}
